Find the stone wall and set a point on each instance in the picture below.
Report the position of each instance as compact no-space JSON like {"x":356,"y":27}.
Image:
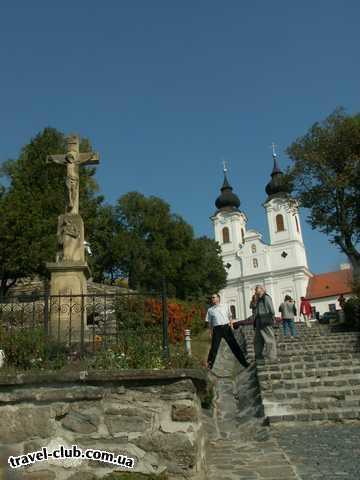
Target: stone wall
{"x":152,"y":416}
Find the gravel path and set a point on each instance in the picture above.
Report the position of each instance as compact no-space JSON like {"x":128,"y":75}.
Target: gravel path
{"x":322,"y":451}
{"x":238,"y":446}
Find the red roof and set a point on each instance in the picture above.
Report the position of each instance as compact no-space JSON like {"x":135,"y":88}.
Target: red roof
{"x":329,"y":284}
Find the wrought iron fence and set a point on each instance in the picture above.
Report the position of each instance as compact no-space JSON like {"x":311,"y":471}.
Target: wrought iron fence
{"x":93,"y":321}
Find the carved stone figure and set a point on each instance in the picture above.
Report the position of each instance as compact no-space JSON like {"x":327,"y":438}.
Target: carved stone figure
{"x":72,"y":160}
{"x":70,"y":239}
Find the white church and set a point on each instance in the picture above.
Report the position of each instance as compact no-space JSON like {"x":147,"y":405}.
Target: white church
{"x":281,"y":266}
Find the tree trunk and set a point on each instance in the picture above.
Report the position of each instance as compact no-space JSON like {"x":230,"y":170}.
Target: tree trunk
{"x":355,"y":263}
{"x":5,"y":285}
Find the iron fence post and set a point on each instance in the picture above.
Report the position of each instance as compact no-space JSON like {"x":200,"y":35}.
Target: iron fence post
{"x":165,"y":336}
{"x":82,"y":333}
{"x":46,"y":312}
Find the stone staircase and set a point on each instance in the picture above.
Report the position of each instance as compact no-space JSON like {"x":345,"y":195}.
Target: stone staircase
{"x":317,"y":376}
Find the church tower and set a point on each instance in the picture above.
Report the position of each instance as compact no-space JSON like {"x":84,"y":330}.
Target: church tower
{"x":281,"y":209}
{"x":287,"y":249}
{"x":229,"y":226}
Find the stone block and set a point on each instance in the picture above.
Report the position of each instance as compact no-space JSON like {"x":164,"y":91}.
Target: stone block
{"x":32,"y":446}
{"x":180,"y":390}
{"x":18,"y":424}
{"x":184,"y":412}
{"x":80,"y":423}
{"x":124,"y":420}
{"x":82,"y":475}
{"x":173,"y":447}
{"x":39,"y":475}
{"x":100,"y":442}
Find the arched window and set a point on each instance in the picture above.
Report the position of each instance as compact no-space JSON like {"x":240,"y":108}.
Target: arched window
{"x":280,"y":223}
{"x":255,"y":263}
{"x":253,"y":248}
{"x":226,"y":235}
{"x":297,"y":224}
{"x":233,"y":311}
{"x":242,"y":235}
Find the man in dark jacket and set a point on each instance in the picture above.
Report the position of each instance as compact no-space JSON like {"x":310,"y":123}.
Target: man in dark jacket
{"x":263,"y":324}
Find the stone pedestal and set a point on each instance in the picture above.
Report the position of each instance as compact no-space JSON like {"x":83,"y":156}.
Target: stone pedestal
{"x":67,"y":307}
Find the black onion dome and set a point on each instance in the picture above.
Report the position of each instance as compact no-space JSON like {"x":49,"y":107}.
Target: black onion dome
{"x":277,"y":184}
{"x":227,"y":200}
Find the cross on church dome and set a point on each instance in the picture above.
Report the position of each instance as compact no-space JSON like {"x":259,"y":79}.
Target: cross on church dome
{"x":227,"y":200}
{"x":276,"y":186}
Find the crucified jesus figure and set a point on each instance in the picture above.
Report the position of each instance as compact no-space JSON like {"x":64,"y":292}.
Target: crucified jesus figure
{"x":73,"y":159}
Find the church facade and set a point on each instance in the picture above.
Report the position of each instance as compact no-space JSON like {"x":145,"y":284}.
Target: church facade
{"x":280,"y":266}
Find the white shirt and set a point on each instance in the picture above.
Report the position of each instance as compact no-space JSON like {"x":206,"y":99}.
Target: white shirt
{"x":219,"y":314}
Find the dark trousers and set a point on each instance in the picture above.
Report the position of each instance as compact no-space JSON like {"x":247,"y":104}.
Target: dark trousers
{"x":225,"y":331}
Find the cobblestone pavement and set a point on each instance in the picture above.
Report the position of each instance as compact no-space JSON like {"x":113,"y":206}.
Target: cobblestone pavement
{"x":238,"y":446}
{"x":323,"y":451}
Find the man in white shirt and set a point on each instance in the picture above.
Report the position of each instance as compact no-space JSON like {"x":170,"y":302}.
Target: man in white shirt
{"x":220,"y":323}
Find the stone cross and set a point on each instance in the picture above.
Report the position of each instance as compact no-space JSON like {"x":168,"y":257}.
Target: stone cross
{"x":72,"y":160}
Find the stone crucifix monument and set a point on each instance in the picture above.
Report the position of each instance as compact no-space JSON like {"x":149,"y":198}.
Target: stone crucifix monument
{"x":70,"y":271}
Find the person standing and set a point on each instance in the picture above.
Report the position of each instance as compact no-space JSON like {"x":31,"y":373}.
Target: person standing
{"x":342,"y":302}
{"x":264,"y":314}
{"x":220,"y":322}
{"x":253,"y":303}
{"x":306,"y":311}
{"x":288,"y":313}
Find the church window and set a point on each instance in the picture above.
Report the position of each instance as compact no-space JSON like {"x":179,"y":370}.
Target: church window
{"x":255,"y":263}
{"x":226,"y":235}
{"x":280,"y":223}
{"x":253,"y":248}
{"x":233,"y":311}
{"x":242,"y":235}
{"x":297,"y":225}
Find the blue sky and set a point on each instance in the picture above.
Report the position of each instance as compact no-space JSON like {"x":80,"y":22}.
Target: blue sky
{"x":165,"y":89}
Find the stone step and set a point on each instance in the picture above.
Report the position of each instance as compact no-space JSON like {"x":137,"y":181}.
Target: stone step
{"x":308,"y":382}
{"x":323,"y":351}
{"x":348,"y":360}
{"x":316,"y":341}
{"x":345,"y":392}
{"x":316,"y":377}
{"x":323,"y":341}
{"x":304,"y":349}
{"x":296,"y":404}
{"x":322,"y":337}
{"x":309,"y":357}
{"x":333,"y":372}
{"x":329,"y":414}
{"x":293,"y":347}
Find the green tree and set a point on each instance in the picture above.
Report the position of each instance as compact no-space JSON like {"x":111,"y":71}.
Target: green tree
{"x":326,"y":178}
{"x":109,"y":245}
{"x":162,"y":245}
{"x":33,"y":195}
{"x":203,"y":273}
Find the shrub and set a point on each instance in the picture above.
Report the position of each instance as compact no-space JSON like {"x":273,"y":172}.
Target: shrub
{"x":181,"y":316}
{"x":24,"y":348}
{"x":352,"y":312}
